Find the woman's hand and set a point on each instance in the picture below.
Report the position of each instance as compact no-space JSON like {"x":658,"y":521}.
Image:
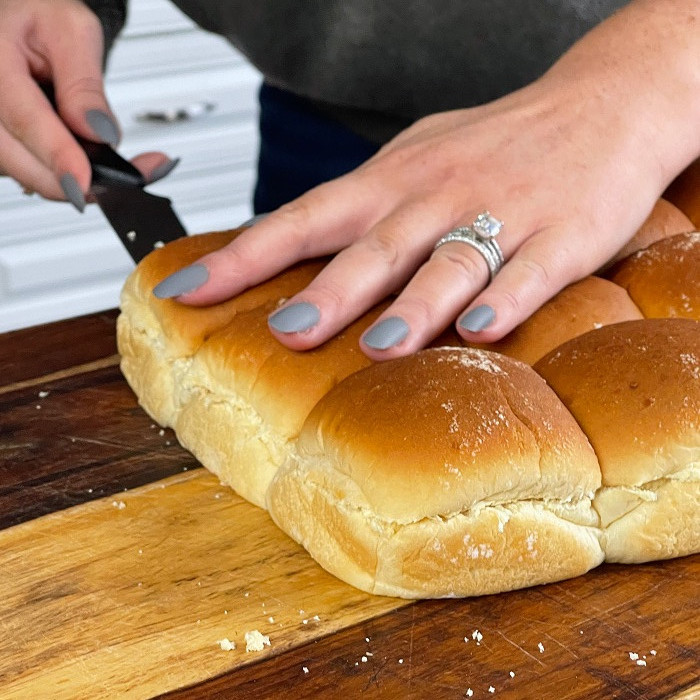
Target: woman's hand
{"x":55,"y":42}
{"x":572,"y":164}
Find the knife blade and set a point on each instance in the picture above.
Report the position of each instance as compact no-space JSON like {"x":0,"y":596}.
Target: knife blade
{"x":142,"y":221}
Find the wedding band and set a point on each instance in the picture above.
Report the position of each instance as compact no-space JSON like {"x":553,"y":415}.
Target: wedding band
{"x":481,"y":236}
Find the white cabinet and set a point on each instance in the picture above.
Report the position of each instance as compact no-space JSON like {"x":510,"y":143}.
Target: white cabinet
{"x":56,"y":263}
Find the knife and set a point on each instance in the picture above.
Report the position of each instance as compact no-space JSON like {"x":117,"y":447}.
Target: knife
{"x":142,"y":221}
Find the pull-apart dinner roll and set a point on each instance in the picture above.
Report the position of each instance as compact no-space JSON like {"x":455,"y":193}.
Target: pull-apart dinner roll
{"x":664,"y":279}
{"x":634,"y":388}
{"x":451,"y":472}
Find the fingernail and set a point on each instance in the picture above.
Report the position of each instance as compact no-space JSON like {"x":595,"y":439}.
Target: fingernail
{"x":186,"y":280}
{"x":478,"y":318}
{"x":389,"y":332}
{"x":163,"y":169}
{"x":103,"y":125}
{"x":295,"y":318}
{"x":73,"y":193}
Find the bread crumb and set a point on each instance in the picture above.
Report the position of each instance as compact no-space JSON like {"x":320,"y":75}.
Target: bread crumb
{"x":511,"y":674}
{"x":367,"y":639}
{"x":492,"y":689}
{"x":38,"y":406}
{"x":653,"y":652}
{"x":633,"y":656}
{"x":641,"y":662}
{"x":469,"y":692}
{"x":255,"y":641}
{"x":158,"y":244}
{"x":540,"y":646}
{"x":478,"y":636}
{"x":270,"y":619}
{"x":119,"y":504}
{"x":400,"y":661}
{"x":131,"y":235}
{"x":304,"y":669}
{"x":161,"y":432}
{"x":43,"y":394}
{"x":226,"y":644}
{"x":364,"y":659}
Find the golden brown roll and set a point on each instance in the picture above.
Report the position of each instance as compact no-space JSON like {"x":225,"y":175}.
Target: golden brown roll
{"x":664,"y":279}
{"x":451,"y":472}
{"x":578,"y":308}
{"x":157,"y":338}
{"x":634,"y":388}
{"x":245,"y":396}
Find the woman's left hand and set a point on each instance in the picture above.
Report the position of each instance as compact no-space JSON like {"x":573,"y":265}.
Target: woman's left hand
{"x":572,"y":164}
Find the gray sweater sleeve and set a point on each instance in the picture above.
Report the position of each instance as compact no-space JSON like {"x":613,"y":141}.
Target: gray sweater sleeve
{"x":112,"y":14}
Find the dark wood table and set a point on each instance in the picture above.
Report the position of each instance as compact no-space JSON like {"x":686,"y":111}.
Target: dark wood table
{"x":618,"y":632}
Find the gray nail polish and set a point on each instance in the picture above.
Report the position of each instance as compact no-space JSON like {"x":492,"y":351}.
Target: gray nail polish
{"x":103,"y":125}
{"x":389,"y":332}
{"x":295,"y":318}
{"x":163,"y":169}
{"x":186,"y":280}
{"x":478,"y":318}
{"x":72,"y":190}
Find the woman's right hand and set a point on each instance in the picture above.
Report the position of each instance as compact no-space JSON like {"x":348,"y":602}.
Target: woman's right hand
{"x":58,"y":42}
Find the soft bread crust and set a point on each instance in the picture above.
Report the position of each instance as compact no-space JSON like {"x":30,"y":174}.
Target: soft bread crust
{"x":405,"y":497}
{"x":634,"y":389}
{"x":590,"y":303}
{"x":664,"y":279}
{"x":664,"y":221}
{"x":245,"y":397}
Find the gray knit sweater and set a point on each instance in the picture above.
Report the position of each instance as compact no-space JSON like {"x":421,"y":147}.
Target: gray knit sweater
{"x":377,"y":65}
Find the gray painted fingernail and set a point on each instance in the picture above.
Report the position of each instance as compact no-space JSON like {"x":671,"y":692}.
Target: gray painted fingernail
{"x":103,"y":125}
{"x":72,"y":190}
{"x":389,"y":332}
{"x":163,"y":169}
{"x":295,"y":318}
{"x":186,"y":280}
{"x":478,"y":318}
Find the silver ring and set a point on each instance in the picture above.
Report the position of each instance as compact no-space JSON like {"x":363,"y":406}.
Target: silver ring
{"x":481,"y":236}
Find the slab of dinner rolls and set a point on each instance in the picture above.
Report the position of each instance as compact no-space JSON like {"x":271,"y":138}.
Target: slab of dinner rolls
{"x":452,"y":472}
{"x":664,"y":279}
{"x":582,"y":306}
{"x":634,"y":388}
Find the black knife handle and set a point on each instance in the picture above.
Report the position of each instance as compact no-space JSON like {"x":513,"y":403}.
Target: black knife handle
{"x":108,"y":167}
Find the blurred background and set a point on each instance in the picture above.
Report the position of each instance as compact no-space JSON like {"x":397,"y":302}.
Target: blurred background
{"x":174,"y":88}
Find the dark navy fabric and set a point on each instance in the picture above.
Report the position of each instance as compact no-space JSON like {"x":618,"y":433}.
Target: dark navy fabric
{"x":300,"y":148}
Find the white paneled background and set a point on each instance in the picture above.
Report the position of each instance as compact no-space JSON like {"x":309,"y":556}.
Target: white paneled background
{"x":56,"y":263}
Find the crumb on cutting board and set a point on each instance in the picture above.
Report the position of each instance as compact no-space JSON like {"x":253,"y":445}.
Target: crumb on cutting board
{"x":256,"y":641}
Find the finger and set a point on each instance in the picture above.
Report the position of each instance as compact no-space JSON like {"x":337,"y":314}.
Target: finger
{"x":77,"y":77}
{"x":29,"y":118}
{"x":362,"y":275}
{"x":23,"y":166}
{"x":433,"y":298}
{"x":540,"y":268}
{"x":322,"y":221}
{"x":154,"y":165}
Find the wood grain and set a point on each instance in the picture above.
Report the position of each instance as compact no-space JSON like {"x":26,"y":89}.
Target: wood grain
{"x":587,"y":627}
{"x":128,"y":597}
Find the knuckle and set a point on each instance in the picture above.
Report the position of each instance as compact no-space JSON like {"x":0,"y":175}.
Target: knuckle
{"x":387,"y":243}
{"x":79,"y":87}
{"x":470,"y":266}
{"x":537,"y":271}
{"x":296,"y":217}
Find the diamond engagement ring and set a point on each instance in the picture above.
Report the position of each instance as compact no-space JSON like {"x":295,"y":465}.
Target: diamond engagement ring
{"x":481,"y":235}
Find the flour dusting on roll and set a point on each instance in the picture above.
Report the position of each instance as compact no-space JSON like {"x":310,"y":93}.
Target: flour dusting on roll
{"x":451,"y":472}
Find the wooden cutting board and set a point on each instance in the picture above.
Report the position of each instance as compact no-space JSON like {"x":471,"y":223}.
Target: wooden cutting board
{"x":129,"y":596}
{"x":75,"y":623}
